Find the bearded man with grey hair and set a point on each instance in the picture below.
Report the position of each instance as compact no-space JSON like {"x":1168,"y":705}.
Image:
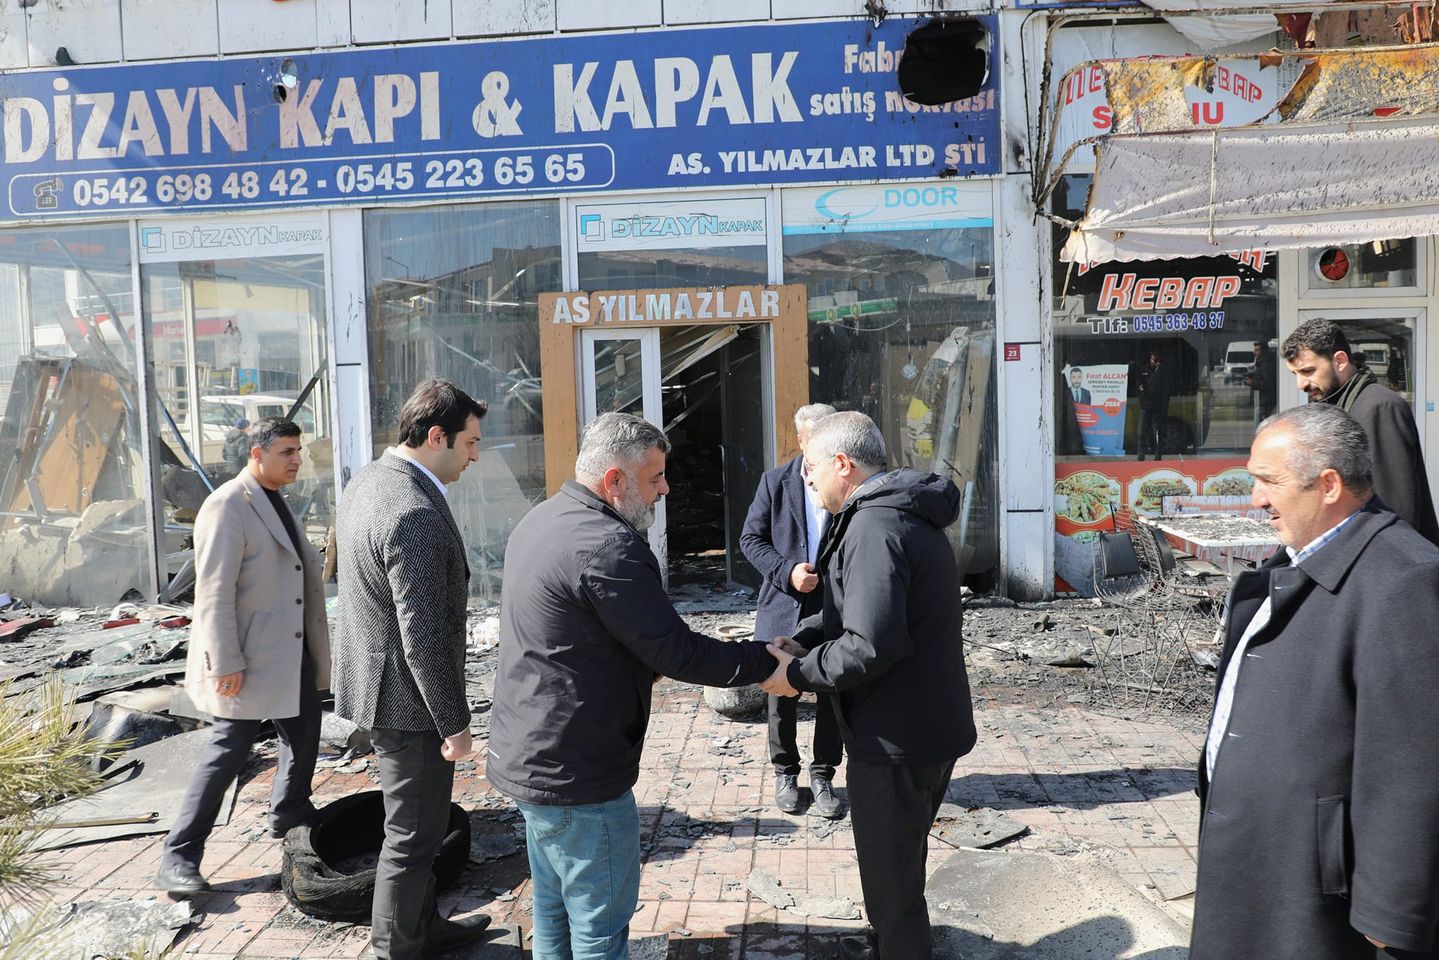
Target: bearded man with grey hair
{"x":1319,"y":781}
{"x":887,"y":646}
{"x":585,"y":630}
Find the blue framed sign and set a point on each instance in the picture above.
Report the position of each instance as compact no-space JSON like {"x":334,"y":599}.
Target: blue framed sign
{"x":741,"y":106}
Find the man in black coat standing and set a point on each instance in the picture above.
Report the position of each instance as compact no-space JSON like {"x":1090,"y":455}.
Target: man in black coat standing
{"x":781,"y":539}
{"x":585,"y":630}
{"x":1319,"y":783}
{"x":888,"y":645}
{"x":1326,"y":369}
{"x":1154,"y":391}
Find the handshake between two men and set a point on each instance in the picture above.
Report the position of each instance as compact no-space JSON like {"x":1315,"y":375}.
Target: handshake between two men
{"x":786,"y":650}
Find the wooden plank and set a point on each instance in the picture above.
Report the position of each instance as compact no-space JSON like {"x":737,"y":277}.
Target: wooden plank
{"x":559,"y":394}
{"x":791,"y":368}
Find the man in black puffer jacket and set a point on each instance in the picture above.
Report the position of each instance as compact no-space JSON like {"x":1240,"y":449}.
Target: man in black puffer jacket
{"x":888,"y":644}
{"x":585,"y":629}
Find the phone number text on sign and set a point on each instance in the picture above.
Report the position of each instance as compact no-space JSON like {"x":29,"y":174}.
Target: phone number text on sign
{"x":537,"y":170}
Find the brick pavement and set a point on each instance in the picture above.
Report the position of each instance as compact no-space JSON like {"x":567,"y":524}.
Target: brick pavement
{"x":1115,"y":790}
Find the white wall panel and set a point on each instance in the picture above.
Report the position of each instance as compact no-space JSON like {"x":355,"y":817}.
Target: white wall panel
{"x":163,"y":29}
{"x":385,"y":21}
{"x":482,"y":18}
{"x":332,"y":23}
{"x":707,"y":11}
{"x":1028,"y":550}
{"x":14,"y":53}
{"x":249,"y":27}
{"x":88,"y":29}
{"x":604,"y":15}
{"x":796,"y":9}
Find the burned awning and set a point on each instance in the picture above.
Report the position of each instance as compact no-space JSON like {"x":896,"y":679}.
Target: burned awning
{"x":1270,"y":187}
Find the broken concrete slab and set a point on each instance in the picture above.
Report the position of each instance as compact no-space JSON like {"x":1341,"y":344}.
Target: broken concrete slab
{"x":492,"y":846}
{"x":650,"y":948}
{"x":769,"y":889}
{"x":114,"y":928}
{"x":978,"y":827}
{"x":989,"y":905}
{"x":827,"y":908}
{"x":156,"y":784}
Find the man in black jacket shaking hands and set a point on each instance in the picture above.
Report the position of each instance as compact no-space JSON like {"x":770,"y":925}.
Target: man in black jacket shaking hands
{"x":585,"y":628}
{"x":888,"y":645}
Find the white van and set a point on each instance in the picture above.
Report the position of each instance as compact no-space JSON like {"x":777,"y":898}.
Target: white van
{"x":1238,"y":359}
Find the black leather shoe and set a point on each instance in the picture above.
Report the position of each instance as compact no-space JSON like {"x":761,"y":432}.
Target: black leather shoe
{"x":857,"y":948}
{"x":826,"y":804}
{"x":180,"y":880}
{"x":786,"y":792}
{"x":447,"y":935}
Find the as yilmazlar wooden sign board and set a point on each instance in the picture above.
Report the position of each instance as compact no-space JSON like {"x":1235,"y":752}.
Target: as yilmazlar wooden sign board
{"x":564,"y":315}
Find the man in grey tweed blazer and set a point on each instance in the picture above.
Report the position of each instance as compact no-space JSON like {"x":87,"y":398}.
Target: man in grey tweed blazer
{"x":400,"y":654}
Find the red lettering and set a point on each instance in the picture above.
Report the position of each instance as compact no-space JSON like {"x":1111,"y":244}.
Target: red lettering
{"x":1171,"y":292}
{"x":1197,"y":293}
{"x":1225,"y":287}
{"x":1212,"y":117}
{"x":1114,"y":292}
{"x":1103,"y":117}
{"x":1144,"y":294}
{"x":1096,"y":79}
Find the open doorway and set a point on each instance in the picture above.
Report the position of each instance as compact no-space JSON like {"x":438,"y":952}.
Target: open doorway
{"x":713,"y":408}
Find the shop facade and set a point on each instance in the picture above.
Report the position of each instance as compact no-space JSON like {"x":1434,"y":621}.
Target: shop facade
{"x":1162,"y":367}
{"x":708,"y":225}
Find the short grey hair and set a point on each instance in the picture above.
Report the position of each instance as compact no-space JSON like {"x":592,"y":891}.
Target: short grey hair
{"x":1325,"y":438}
{"x":616,"y":440}
{"x":850,"y":433}
{"x":812,"y":412}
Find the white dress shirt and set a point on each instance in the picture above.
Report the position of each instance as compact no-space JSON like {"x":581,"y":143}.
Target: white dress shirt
{"x":400,"y":452}
{"x":1224,"y":703}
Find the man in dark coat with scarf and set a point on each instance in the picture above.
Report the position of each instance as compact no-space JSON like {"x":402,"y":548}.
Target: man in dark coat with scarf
{"x":1326,"y":369}
{"x":781,"y":538}
{"x":1319,"y":783}
{"x":888,"y":644}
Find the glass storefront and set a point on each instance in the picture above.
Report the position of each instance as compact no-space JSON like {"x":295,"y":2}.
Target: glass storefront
{"x":902,"y":328}
{"x":233,"y":341}
{"x":453,"y":292}
{"x":1163,"y":369}
{"x":73,"y":519}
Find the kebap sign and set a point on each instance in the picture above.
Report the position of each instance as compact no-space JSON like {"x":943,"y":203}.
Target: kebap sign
{"x":742,"y":106}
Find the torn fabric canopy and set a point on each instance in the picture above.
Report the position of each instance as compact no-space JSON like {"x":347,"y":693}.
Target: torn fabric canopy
{"x":1271,"y":187}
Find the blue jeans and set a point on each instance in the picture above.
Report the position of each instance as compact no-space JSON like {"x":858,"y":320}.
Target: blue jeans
{"x":585,"y":872}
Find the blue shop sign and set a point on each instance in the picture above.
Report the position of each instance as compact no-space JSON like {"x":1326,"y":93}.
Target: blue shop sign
{"x":741,"y":106}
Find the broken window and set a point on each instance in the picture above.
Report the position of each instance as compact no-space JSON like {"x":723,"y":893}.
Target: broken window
{"x":73,"y":520}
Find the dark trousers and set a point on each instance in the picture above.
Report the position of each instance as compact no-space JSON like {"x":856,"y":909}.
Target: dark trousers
{"x":223,"y":759}
{"x":416,"y":782}
{"x":892,"y":807}
{"x":783,"y":748}
{"x":1151,"y":431}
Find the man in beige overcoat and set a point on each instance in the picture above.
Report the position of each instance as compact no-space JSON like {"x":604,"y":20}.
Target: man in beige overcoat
{"x":259,"y":648}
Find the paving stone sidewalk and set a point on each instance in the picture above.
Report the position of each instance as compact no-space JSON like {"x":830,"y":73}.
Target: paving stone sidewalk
{"x":1115,"y":791}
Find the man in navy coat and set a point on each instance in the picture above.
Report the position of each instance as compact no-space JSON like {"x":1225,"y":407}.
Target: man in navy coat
{"x":781,"y":539}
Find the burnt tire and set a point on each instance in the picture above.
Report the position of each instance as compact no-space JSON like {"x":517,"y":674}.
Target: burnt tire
{"x":350,"y":828}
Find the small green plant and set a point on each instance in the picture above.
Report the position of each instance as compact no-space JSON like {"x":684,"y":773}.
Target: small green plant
{"x":44,"y":758}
